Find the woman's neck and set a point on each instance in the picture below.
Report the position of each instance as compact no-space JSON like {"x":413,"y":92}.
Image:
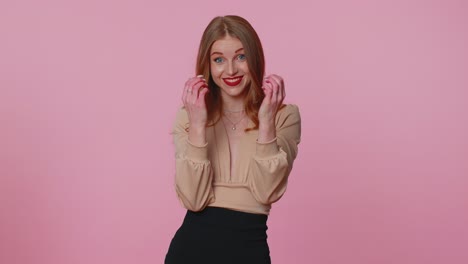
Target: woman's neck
{"x":233,"y":104}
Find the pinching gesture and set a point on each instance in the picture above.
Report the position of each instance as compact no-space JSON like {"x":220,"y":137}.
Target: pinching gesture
{"x":193,"y":98}
{"x":273,"y":86}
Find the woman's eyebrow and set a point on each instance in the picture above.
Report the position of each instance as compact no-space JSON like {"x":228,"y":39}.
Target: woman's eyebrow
{"x":220,"y":53}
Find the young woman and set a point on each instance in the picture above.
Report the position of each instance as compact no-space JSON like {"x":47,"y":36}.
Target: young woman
{"x":235,"y":144}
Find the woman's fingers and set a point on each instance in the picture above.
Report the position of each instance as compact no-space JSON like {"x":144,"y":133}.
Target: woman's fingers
{"x":196,"y":89}
{"x":274,"y":90}
{"x":268,"y":89}
{"x":187,"y":90}
{"x":201,"y":95}
{"x":193,"y":97}
{"x":278,"y":87}
{"x":193,"y":85}
{"x":191,"y":90}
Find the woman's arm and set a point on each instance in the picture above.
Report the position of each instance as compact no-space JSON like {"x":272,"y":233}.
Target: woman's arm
{"x":194,"y":176}
{"x":273,"y":160}
{"x":278,"y":136}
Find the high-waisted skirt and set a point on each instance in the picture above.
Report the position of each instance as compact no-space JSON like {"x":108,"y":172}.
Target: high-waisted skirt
{"x":221,"y":236}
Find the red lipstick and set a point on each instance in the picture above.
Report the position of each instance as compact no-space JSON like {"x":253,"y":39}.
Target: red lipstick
{"x":233,"y":81}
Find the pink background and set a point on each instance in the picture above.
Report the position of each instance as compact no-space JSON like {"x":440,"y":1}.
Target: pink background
{"x":89,"y":91}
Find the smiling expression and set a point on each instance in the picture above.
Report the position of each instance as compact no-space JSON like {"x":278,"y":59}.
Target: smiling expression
{"x":228,"y":66}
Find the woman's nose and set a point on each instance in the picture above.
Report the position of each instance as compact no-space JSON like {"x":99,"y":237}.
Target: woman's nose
{"x":232,"y":68}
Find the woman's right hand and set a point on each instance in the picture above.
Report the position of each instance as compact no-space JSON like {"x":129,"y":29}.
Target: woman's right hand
{"x":193,"y":98}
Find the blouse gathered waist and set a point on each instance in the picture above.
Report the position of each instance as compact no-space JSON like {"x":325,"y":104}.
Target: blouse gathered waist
{"x":239,"y":198}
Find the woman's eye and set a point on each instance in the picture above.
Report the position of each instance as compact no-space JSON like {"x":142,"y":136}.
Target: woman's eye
{"x":218,"y":60}
{"x":241,"y":57}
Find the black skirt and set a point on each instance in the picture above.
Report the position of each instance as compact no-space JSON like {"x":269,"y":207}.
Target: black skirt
{"x":220,"y":235}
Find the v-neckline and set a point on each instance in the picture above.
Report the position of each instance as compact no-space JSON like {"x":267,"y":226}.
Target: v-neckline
{"x":225,"y":140}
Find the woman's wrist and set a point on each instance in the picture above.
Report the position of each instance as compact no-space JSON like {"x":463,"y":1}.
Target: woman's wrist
{"x":266,"y":131}
{"x":197,"y":135}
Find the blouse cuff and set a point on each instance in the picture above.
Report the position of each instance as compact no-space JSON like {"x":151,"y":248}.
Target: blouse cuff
{"x":267,"y":149}
{"x":196,"y":152}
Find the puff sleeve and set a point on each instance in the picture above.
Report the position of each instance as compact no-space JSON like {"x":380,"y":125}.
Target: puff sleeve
{"x":193,"y":173}
{"x":272,"y":162}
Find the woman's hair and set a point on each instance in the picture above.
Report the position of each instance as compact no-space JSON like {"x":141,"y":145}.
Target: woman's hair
{"x":240,"y":28}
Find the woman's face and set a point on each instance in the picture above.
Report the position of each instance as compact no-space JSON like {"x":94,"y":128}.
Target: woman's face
{"x":228,"y":66}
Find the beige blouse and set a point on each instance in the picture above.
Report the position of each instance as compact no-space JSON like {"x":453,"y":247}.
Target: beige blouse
{"x":203,"y":172}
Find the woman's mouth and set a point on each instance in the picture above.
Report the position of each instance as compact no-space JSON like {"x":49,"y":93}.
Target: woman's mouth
{"x":233,"y":81}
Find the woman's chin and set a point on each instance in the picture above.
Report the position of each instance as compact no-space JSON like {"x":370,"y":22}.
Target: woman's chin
{"x":234,"y":91}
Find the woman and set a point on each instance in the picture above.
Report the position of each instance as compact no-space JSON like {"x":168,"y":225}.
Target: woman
{"x":235,"y":145}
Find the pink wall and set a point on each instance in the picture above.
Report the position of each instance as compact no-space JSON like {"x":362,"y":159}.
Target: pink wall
{"x":89,"y":89}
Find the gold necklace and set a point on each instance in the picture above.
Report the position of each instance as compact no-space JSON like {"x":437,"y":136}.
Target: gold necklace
{"x":234,"y":124}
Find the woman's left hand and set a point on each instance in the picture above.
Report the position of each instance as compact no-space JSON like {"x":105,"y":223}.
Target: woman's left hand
{"x":273,"y":86}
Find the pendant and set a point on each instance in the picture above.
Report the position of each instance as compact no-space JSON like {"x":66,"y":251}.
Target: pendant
{"x":233,"y":128}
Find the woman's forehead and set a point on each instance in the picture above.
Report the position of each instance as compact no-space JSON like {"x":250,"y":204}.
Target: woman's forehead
{"x":226,"y":45}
